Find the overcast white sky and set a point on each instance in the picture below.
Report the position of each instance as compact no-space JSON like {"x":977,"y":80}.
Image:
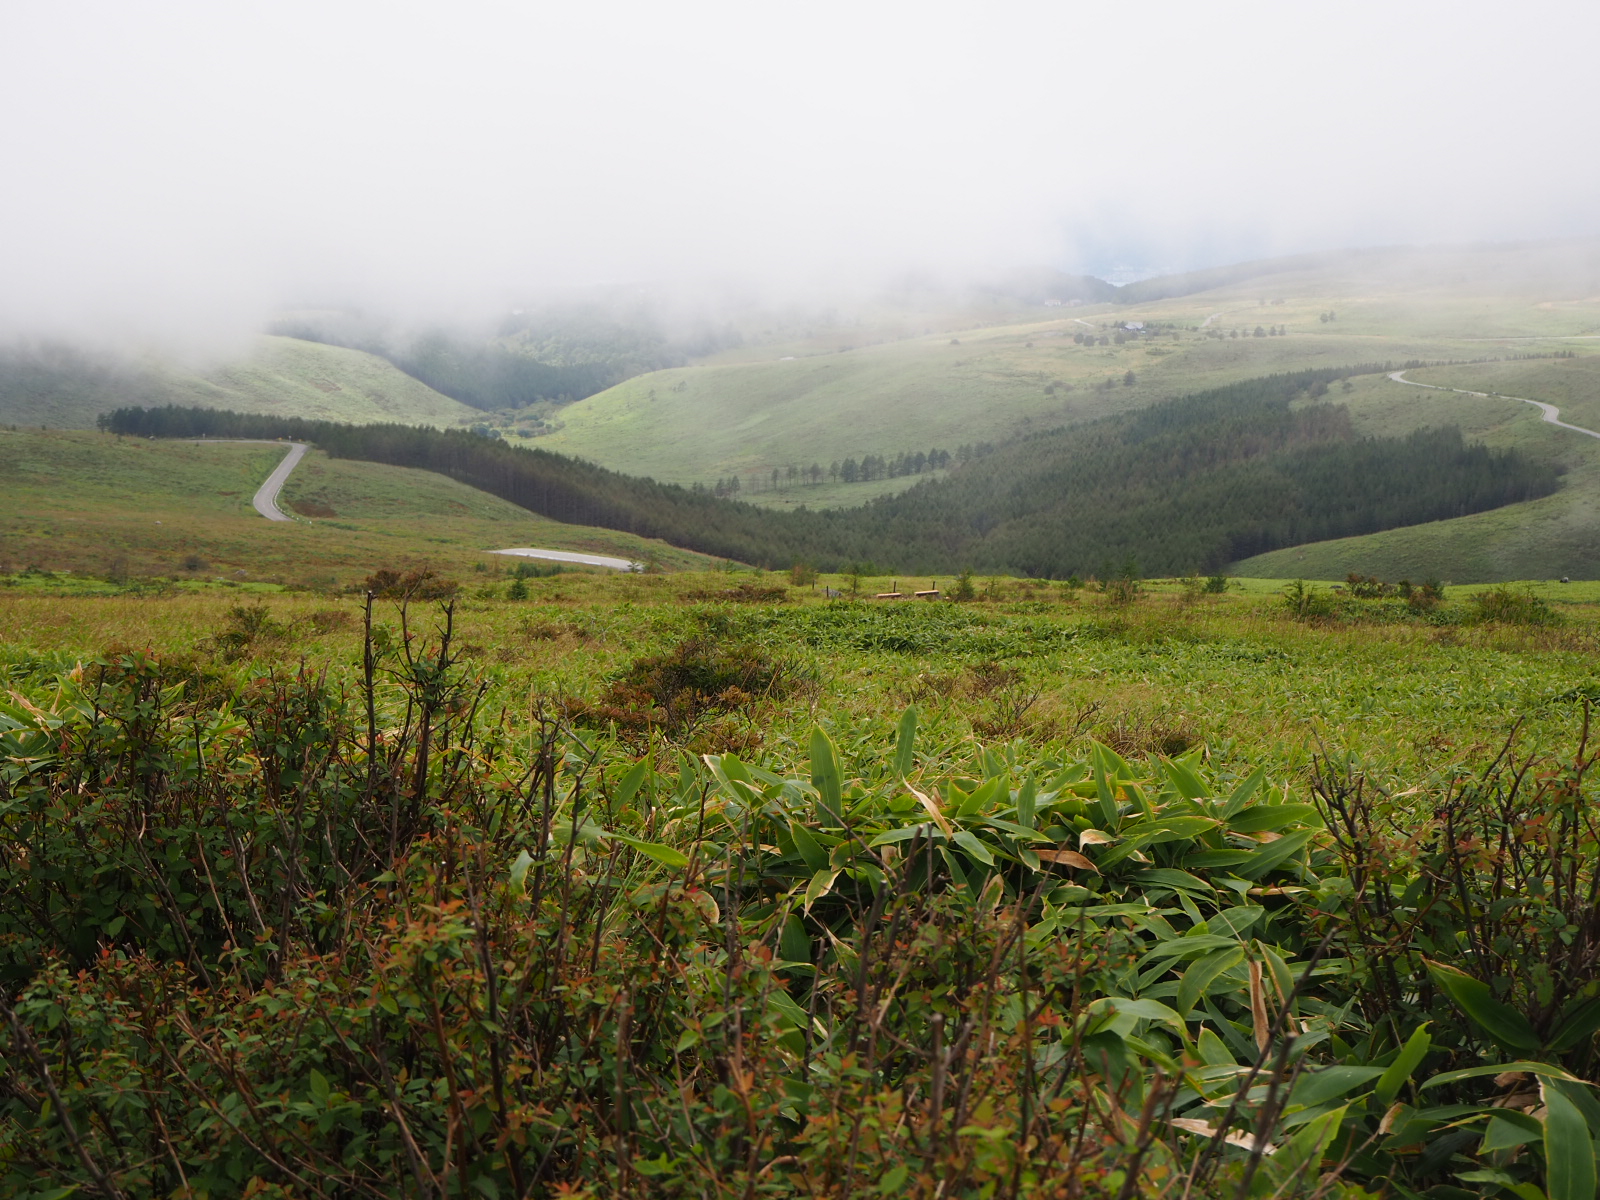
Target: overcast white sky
{"x":186,"y":164}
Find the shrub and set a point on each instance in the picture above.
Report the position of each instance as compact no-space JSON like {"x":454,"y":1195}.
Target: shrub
{"x":1506,"y":605}
{"x":1306,"y":602}
{"x":419,"y":583}
{"x":700,"y":676}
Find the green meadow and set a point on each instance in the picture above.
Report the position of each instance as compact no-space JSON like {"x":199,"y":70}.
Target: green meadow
{"x":708,"y":883}
{"x":96,"y":504}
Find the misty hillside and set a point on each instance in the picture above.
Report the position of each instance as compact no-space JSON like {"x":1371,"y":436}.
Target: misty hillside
{"x":888,"y":387}
{"x":1191,"y":484}
{"x":63,"y":387}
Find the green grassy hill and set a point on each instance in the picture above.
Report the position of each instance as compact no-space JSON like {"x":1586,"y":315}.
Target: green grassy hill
{"x":93,"y":503}
{"x":1558,"y":535}
{"x":67,"y":389}
{"x":833,"y":398}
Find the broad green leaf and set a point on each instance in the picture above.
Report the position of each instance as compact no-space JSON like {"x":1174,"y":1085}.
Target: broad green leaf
{"x":905,"y":748}
{"x":1501,"y":1022}
{"x":667,"y":856}
{"x":1244,"y":793}
{"x":1274,"y":854}
{"x":1235,"y":920}
{"x":1168,"y":829}
{"x":1146,"y":1010}
{"x":1404,"y":1065}
{"x":821,"y":884}
{"x":1262,"y":818}
{"x":1318,"y":1087}
{"x":1213,"y":1050}
{"x":826,"y":776}
{"x":1170,"y":878}
{"x":1192,"y":945}
{"x":1304,"y":1151}
{"x":1197,"y":980}
{"x":789,"y":1012}
{"x":983,"y":798}
{"x":1185,"y":781}
{"x":1510,"y":1128}
{"x":1027,"y":802}
{"x":519,"y":870}
{"x":735,"y":779}
{"x":1543,"y":1070}
{"x":630,"y":783}
{"x":810,"y":849}
{"x":1579,"y":1022}
{"x":1210,"y":860}
{"x":1568,"y":1148}
{"x":794,"y":945}
{"x":905,"y":833}
{"x":1110,"y":815}
{"x":974,"y":847}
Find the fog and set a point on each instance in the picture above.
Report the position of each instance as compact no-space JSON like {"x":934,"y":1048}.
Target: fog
{"x":182,"y":171}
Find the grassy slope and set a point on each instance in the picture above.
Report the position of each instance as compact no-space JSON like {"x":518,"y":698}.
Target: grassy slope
{"x":279,"y":375}
{"x":91,"y":503}
{"x":736,"y":414}
{"x":1547,"y":538}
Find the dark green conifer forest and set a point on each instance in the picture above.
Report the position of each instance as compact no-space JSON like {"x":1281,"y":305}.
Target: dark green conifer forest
{"x":1189,"y":484}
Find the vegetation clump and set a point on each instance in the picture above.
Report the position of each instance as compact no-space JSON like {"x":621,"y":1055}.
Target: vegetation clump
{"x":1506,"y":605}
{"x":418,"y":583}
{"x":702,"y":676}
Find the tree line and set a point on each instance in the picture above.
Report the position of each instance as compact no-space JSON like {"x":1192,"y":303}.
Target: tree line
{"x":1188,"y":484}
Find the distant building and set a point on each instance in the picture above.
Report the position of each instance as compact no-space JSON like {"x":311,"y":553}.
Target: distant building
{"x":1134,"y":326}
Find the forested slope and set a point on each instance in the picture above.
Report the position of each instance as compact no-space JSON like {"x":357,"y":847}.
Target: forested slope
{"x":1191,"y":484}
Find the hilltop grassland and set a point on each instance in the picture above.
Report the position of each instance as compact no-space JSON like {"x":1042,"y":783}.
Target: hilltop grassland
{"x":832,"y":399}
{"x":97,"y":504}
{"x":62,"y":388}
{"x":1547,"y":538}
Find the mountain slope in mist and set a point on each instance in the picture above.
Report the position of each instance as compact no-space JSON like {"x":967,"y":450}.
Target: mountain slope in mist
{"x":64,"y":387}
{"x":857,"y":393}
{"x":1176,"y":487}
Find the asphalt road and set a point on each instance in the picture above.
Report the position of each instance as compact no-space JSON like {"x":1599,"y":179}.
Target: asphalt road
{"x":1552,"y":414}
{"x":570,"y":556}
{"x":266,"y":497}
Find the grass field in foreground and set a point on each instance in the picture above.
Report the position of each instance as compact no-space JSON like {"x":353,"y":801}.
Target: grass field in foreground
{"x":1235,"y":672}
{"x":989,"y":817}
{"x":100,"y":505}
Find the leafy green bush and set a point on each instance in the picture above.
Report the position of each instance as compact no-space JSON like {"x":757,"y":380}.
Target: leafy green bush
{"x":1506,"y":605}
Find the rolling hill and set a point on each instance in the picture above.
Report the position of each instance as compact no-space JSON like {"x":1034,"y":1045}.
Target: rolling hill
{"x":104,"y":505}
{"x":739,"y":413}
{"x":1554,"y":536}
{"x":66,"y":388}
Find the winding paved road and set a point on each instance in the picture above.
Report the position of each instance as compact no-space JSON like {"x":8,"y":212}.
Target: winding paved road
{"x":1552,"y":414}
{"x":266,"y":503}
{"x":266,"y":497}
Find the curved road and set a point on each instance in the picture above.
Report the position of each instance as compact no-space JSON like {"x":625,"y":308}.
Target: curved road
{"x":266,"y":497}
{"x":1552,"y":414}
{"x":266,"y":503}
